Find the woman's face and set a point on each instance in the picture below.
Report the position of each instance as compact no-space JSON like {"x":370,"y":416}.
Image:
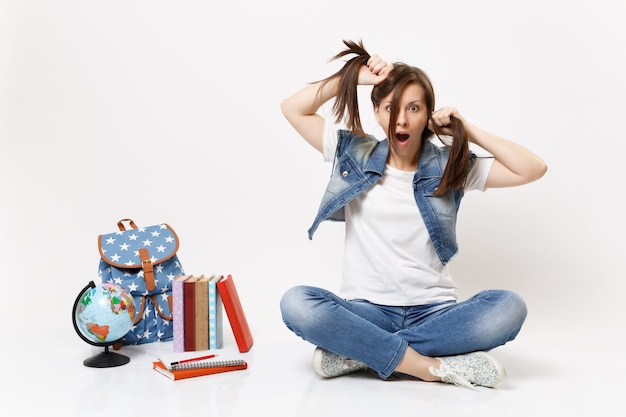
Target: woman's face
{"x":412,"y":119}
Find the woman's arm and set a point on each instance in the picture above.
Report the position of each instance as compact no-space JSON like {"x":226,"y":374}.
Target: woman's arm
{"x":301,"y":108}
{"x":514,"y":165}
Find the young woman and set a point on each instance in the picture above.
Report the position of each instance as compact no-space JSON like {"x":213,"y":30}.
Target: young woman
{"x":397,"y":308}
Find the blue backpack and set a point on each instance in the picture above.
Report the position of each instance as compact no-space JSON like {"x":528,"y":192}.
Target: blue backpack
{"x":143,"y":260}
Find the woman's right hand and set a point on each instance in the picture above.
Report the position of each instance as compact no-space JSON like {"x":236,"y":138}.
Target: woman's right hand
{"x":375,"y":71}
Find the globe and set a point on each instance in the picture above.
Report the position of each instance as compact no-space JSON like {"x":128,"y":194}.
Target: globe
{"x":102,"y":315}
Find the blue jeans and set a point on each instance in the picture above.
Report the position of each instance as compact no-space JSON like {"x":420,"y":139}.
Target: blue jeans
{"x":378,"y":335}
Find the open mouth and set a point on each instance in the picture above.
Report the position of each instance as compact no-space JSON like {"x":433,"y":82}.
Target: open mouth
{"x":402,"y":137}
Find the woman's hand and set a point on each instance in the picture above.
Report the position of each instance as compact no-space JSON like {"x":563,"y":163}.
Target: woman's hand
{"x":442,"y":119}
{"x":375,"y":71}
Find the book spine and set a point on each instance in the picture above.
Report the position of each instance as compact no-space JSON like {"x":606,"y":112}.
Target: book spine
{"x":201,"y":301}
{"x":234,"y":312}
{"x":189,"y":314}
{"x":178,"y":315}
{"x":215,"y":317}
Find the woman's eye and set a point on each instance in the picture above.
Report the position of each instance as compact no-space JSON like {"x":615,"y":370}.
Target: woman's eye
{"x":413,"y":108}
{"x":388,"y":108}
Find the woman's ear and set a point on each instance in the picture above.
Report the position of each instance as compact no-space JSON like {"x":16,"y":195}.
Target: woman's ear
{"x":376,"y":113}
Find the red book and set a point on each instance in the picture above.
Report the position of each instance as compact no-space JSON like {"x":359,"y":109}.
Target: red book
{"x":235,"y":313}
{"x":193,"y":371}
{"x":189,"y":315}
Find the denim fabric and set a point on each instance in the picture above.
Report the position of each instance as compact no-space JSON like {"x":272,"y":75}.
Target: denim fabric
{"x":379,"y":335}
{"x":359,"y":164}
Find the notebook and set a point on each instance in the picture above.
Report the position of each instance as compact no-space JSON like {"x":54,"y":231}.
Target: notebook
{"x":201,"y":368}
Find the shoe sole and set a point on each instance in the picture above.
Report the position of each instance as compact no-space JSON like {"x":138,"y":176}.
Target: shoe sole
{"x":317,"y":362}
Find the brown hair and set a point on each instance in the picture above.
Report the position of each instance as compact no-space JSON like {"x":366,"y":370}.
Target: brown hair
{"x":346,"y":106}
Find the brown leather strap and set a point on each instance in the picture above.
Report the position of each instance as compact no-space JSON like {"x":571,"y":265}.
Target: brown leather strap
{"x":158,"y":308}
{"x":120,"y":224}
{"x":141,"y":310}
{"x":139,"y":313}
{"x":148,"y":269}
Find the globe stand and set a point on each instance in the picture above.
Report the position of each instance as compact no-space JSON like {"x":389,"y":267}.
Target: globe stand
{"x":106,"y":359}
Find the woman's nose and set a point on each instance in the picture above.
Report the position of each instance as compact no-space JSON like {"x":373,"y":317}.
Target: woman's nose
{"x":401,"y":118}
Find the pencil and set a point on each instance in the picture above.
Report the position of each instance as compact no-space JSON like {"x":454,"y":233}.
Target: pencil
{"x":200,"y":358}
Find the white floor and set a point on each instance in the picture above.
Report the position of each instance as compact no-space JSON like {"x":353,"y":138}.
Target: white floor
{"x":280,"y":382}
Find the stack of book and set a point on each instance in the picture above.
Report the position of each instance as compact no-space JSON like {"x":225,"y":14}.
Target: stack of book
{"x":198,"y":302}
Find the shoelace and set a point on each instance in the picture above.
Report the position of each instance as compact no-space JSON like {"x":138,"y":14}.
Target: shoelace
{"x":451,"y":376}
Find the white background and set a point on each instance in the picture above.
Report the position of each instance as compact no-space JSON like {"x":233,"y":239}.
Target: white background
{"x":168,"y":111}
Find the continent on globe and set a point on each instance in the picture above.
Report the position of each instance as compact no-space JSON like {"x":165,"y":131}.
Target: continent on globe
{"x":100,"y":332}
{"x":105,"y":313}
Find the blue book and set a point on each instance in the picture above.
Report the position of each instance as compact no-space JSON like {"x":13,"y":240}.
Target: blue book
{"x":215,"y":314}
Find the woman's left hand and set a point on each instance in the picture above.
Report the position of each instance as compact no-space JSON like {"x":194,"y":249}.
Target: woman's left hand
{"x":442,"y":119}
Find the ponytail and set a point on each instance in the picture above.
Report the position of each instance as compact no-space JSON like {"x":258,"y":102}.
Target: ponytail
{"x":347,"y":98}
{"x":457,"y":168}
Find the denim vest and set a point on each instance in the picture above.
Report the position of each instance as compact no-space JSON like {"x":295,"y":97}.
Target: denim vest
{"x":359,"y":164}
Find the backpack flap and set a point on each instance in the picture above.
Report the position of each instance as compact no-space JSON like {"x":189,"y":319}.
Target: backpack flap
{"x":140,"y":252}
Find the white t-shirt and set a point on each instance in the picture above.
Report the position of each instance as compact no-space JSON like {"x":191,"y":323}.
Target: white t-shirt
{"x":389,"y":258}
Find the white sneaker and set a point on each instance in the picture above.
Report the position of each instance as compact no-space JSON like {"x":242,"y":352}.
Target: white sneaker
{"x":329,"y":365}
{"x":477,"y":368}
